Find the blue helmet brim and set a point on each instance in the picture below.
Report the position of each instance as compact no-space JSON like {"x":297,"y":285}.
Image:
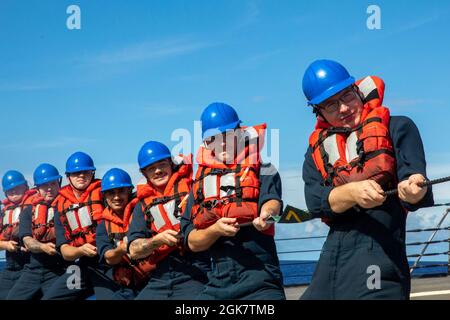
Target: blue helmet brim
{"x":154,"y":160}
{"x":79,"y":169}
{"x":13,"y":185}
{"x":332,"y":91}
{"x":117,"y":186}
{"x":48,"y":180}
{"x":213,"y":132}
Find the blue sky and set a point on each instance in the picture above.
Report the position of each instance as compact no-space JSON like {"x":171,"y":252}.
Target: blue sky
{"x":138,"y":70}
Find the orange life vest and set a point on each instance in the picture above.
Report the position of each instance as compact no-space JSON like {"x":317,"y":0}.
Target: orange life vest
{"x":229,"y":190}
{"x":344,"y":155}
{"x":10,"y":217}
{"x":80,"y":216}
{"x":162,"y":211}
{"x":43,"y":226}
{"x":127,"y":273}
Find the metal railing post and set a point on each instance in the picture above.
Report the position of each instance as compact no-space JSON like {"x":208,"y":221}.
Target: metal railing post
{"x":429,"y":240}
{"x":448,"y":267}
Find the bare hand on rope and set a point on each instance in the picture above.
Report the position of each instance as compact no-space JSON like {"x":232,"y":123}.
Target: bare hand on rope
{"x":413,"y":189}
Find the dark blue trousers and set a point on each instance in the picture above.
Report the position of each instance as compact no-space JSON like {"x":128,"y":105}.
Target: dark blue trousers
{"x":93,"y":279}
{"x":7,"y":280}
{"x":353,"y":266}
{"x":176,"y":278}
{"x":244,"y":267}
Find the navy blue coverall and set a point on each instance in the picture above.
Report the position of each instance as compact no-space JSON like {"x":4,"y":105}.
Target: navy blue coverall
{"x":43,"y":269}
{"x":245,"y":266}
{"x":15,"y":262}
{"x":359,"y":240}
{"x":94,"y":277}
{"x":103,"y":245}
{"x":176,"y":277}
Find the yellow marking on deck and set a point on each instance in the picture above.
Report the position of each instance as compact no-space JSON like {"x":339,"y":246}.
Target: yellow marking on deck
{"x":429,"y":293}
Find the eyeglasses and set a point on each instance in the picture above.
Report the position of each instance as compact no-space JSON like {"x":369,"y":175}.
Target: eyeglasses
{"x":332,"y":106}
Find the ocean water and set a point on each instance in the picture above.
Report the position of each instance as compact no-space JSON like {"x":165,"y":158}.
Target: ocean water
{"x":300,"y":272}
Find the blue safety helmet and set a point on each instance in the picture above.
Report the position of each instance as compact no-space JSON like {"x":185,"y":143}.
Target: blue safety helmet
{"x":151,"y":152}
{"x":12,"y":179}
{"x":45,"y":173}
{"x":218,"y":118}
{"x":323,"y":79}
{"x":116,"y":178}
{"x":79,"y":161}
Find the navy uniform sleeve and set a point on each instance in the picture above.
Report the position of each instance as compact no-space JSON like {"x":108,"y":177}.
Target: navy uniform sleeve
{"x":186,"y":224}
{"x":25,"y":223}
{"x":102,"y":241}
{"x":270,"y":185}
{"x":138,"y":226}
{"x":60,"y":232}
{"x":410,"y":156}
{"x":316,"y":193}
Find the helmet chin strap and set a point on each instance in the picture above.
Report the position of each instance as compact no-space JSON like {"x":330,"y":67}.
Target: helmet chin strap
{"x":319,"y":115}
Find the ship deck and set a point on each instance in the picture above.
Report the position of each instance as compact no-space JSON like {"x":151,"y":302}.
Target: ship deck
{"x":430,"y":288}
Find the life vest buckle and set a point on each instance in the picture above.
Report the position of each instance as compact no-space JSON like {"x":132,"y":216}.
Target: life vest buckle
{"x":340,"y":130}
{"x":218,"y":171}
{"x":211,"y":204}
{"x":74,"y":206}
{"x":160,"y":200}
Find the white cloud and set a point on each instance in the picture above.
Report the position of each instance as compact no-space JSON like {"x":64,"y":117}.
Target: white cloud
{"x":149,"y":50}
{"x":257,"y":99}
{"x":256,"y":59}
{"x":410,"y":102}
{"x":58,"y":142}
{"x":26,"y":86}
{"x":167,"y":110}
{"x":416,"y":23}
{"x":251,"y":16}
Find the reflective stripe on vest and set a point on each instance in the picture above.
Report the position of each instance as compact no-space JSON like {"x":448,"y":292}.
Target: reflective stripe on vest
{"x":50,"y":213}
{"x":12,"y":216}
{"x":251,"y":133}
{"x":351,"y":150}
{"x":331,"y":148}
{"x":158,"y":219}
{"x":367,"y":86}
{"x":82,"y":215}
{"x":212,"y":190}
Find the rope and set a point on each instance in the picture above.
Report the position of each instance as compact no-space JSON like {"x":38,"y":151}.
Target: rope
{"x":428,"y":229}
{"x":441,"y":204}
{"x":427,"y":242}
{"x":428,"y":254}
{"x":423,"y":184}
